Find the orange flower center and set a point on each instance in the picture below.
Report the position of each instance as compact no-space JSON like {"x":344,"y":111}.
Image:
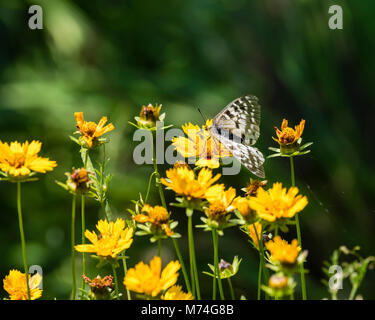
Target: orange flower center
{"x":18,"y":160}
{"x":287,"y":136}
{"x":216,"y":210}
{"x":89,"y":128}
{"x":159,"y":214}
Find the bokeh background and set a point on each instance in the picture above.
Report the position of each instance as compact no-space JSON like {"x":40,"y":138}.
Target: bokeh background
{"x":112,"y":57}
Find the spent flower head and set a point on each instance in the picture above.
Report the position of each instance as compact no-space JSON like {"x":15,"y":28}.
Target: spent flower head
{"x":78,"y":181}
{"x":20,"y":161}
{"x":252,"y":188}
{"x":227,"y":270}
{"x":100,"y":288}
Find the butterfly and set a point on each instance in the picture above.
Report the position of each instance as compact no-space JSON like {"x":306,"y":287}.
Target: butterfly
{"x":237,"y":128}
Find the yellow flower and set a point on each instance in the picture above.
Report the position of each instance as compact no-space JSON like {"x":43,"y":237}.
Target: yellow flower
{"x":287,"y":135}
{"x":90,"y":131}
{"x":150,"y":279}
{"x":220,"y":201}
{"x":176,"y":293}
{"x":20,"y":160}
{"x":184,"y":182}
{"x":148,"y":116}
{"x":200,"y":144}
{"x":243,"y":206}
{"x":282,"y":251}
{"x":112,"y":240}
{"x":277,"y":203}
{"x":255,"y":232}
{"x":15,"y":284}
{"x":158,"y":216}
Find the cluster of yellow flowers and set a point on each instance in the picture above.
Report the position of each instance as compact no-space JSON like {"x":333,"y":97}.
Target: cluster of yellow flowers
{"x":258,"y":212}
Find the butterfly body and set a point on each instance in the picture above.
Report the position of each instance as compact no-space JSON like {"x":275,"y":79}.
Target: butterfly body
{"x":237,"y":128}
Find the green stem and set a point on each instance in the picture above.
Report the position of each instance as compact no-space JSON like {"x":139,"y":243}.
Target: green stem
{"x":83,"y":242}
{"x":149,"y":186}
{"x":125,"y":272}
{"x":83,"y":227}
{"x":23,"y":243}
{"x":116,"y":281}
{"x":164,"y":204}
{"x":353,"y":292}
{"x":193,"y":262}
{"x":215,"y":239}
{"x":298,"y":230}
{"x":259,"y":275}
{"x":261,"y":262}
{"x":184,"y":272}
{"x":231,"y":289}
{"x":215,"y":273}
{"x":74,"y":284}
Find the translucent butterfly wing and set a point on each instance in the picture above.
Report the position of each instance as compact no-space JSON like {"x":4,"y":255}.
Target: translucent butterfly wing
{"x":237,"y":128}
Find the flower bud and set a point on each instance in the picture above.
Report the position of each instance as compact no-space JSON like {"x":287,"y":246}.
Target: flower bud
{"x":278,"y":282}
{"x":148,"y":116}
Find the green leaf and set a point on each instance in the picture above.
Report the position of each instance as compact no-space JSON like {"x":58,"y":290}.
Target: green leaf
{"x":306,"y":145}
{"x":274,"y":155}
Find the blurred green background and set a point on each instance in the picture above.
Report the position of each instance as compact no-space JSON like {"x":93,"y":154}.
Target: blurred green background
{"x":112,"y":57}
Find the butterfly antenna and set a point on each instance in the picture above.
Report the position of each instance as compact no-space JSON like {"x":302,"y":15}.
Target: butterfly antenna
{"x":204,"y":118}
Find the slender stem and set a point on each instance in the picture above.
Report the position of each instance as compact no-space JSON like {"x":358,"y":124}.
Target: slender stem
{"x":215,"y":272}
{"x":164,"y":204}
{"x":116,"y":281}
{"x":298,"y":230}
{"x":231,"y":289}
{"x":125,"y":272}
{"x":261,"y":262}
{"x":83,"y":242}
{"x":216,"y":262}
{"x":187,"y":282}
{"x":23,"y":243}
{"x":157,"y":175}
{"x":353,"y":292}
{"x":259,"y":275}
{"x":193,"y":262}
{"x":83,"y":227}
{"x":74,"y":284}
{"x":149,"y":186}
{"x":159,"y":248}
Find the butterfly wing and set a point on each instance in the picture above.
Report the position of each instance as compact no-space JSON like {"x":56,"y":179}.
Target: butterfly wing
{"x":249,"y":156}
{"x":242,"y":118}
{"x":237,"y":128}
